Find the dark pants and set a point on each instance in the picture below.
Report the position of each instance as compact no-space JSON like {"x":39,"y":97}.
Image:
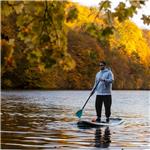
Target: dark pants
{"x":106,"y":99}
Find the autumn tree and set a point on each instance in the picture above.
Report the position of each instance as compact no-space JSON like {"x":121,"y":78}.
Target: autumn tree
{"x":36,"y":50}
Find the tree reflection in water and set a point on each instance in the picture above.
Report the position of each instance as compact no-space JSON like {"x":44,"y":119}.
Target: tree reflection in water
{"x":102,"y":140}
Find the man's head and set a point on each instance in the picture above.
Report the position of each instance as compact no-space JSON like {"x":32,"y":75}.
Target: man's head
{"x":102,"y":65}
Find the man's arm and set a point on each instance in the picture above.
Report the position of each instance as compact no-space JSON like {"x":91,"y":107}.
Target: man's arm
{"x":110,"y":78}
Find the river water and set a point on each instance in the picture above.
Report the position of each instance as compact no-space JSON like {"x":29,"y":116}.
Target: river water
{"x":46,"y":120}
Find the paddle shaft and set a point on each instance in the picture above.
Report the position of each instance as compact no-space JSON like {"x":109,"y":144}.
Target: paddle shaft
{"x":90,"y":95}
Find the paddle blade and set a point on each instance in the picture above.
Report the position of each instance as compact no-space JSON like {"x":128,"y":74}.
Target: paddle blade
{"x":79,"y":113}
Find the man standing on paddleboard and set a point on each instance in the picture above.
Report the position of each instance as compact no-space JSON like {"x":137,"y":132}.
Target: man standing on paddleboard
{"x":103,"y":90}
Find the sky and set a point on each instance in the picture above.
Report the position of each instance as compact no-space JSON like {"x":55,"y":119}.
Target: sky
{"x":136,"y":18}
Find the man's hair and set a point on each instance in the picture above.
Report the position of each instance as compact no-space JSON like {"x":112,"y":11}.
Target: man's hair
{"x":103,"y":62}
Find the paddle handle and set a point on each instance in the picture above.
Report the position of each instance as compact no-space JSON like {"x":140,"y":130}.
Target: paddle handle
{"x":90,"y":95}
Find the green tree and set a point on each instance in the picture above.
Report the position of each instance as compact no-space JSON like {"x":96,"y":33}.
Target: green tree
{"x":122,"y":12}
{"x":41,"y":27}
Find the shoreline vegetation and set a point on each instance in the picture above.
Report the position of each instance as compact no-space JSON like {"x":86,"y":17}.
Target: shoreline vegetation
{"x":59,"y":48}
{"x":70,"y":90}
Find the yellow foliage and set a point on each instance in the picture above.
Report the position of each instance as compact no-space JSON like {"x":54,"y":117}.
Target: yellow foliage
{"x":130,"y":36}
{"x":85,"y":15}
{"x":67,"y":63}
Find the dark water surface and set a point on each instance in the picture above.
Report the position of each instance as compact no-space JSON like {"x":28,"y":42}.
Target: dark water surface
{"x":46,"y":120}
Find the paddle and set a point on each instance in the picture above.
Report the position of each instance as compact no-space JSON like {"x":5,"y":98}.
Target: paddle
{"x":79,"y":112}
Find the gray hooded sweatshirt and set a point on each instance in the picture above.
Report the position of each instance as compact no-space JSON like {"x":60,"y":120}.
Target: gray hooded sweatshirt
{"x":104,"y":87}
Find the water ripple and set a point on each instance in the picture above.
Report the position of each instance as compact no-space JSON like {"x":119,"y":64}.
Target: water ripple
{"x":46,"y":120}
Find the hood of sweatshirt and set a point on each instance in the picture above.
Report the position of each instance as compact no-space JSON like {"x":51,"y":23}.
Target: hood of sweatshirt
{"x":105,"y":70}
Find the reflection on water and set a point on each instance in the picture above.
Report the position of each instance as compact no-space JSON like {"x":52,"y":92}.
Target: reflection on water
{"x":46,"y":120}
{"x":102,"y":140}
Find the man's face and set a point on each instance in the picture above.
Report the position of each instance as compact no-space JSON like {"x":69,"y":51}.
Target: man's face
{"x":102,"y":66}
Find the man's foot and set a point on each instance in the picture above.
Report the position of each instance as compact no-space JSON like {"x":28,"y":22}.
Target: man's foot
{"x":107,"y":120}
{"x":98,"y":119}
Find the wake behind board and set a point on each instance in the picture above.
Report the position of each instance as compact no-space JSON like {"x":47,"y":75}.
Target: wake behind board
{"x":112,"y":122}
